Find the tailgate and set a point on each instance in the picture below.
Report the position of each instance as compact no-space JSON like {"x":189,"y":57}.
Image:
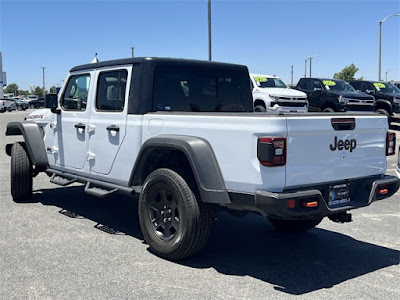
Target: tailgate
{"x":317,"y":152}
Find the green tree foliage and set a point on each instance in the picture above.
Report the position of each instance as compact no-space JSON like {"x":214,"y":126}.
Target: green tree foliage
{"x":52,"y":89}
{"x":11,"y":88}
{"x":347,"y":73}
{"x":38,"y":91}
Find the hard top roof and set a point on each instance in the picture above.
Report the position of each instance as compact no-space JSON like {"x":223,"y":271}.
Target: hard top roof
{"x":158,"y":61}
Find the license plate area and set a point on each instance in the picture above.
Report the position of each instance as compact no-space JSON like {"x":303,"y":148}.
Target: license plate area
{"x":339,"y":194}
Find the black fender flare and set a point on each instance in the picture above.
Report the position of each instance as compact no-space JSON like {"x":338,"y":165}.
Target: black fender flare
{"x":201,"y":158}
{"x":382,"y":103}
{"x":33,"y":136}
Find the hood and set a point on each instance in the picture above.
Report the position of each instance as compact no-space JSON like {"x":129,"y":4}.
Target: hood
{"x":40,"y":116}
{"x":281,"y":92}
{"x":353,"y":95}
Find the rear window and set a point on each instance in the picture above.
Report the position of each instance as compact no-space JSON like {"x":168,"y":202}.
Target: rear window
{"x":201,"y":90}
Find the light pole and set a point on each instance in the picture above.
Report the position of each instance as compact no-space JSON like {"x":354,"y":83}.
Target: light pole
{"x":291,"y":71}
{"x":310,"y":58}
{"x":209,"y":30}
{"x":386,"y":74}
{"x":380,"y":42}
{"x":44,"y":88}
{"x":305,"y":68}
{"x":132,"y":48}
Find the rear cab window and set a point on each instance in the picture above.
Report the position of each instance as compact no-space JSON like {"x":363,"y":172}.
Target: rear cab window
{"x":201,"y":90}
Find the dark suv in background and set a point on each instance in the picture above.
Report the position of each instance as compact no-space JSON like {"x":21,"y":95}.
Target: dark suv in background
{"x":334,"y":95}
{"x":387,"y":96}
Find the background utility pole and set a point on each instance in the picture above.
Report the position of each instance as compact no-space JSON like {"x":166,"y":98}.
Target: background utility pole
{"x":209,"y":30}
{"x":291,"y":82}
{"x":44,"y":88}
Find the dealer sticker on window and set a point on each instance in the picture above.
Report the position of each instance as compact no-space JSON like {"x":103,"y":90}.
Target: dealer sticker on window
{"x":379,"y":85}
{"x":329,"y":82}
{"x":339,"y":194}
{"x":260,"y":79}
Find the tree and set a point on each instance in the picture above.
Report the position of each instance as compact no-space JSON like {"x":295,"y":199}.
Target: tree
{"x":52,"y":89}
{"x":38,"y":91}
{"x":347,"y":73}
{"x":11,"y":88}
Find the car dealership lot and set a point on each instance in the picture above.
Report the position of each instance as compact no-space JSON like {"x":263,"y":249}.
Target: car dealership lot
{"x":67,"y":244}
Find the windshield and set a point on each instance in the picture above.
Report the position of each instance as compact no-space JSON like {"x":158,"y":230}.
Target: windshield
{"x":386,"y":88}
{"x":264,"y":82}
{"x":338,"y":85}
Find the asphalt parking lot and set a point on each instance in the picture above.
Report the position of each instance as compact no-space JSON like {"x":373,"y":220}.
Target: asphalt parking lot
{"x":69,"y":245}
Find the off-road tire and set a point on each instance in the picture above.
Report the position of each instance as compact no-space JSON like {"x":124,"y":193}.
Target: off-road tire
{"x":194,"y":216}
{"x":259,"y":108}
{"x":21,"y":173}
{"x":294,"y":226}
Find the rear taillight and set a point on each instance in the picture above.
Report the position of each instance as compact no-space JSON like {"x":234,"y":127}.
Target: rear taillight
{"x":390,"y":143}
{"x":271,"y":151}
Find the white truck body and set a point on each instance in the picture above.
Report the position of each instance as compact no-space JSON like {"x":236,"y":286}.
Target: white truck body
{"x":270,"y":92}
{"x":183,"y":135}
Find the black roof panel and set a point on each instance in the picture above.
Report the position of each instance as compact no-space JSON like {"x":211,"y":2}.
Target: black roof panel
{"x":158,"y":61}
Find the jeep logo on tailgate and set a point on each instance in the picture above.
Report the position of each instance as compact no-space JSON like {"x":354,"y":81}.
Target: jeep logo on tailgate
{"x":340,"y":144}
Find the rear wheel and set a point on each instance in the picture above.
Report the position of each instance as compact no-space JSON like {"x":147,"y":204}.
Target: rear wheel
{"x":19,"y":107}
{"x":174,"y":223}
{"x":31,"y":106}
{"x":21,"y":173}
{"x":295,"y":226}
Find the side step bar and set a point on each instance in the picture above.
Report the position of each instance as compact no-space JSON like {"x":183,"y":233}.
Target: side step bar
{"x":98,"y":192}
{"x":56,"y":179}
{"x":93,"y":187}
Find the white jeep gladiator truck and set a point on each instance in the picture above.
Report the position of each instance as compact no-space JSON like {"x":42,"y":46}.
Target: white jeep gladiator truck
{"x":182,"y":136}
{"x":270,"y":93}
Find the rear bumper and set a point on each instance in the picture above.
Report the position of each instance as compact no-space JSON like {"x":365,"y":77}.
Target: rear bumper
{"x":362,"y":193}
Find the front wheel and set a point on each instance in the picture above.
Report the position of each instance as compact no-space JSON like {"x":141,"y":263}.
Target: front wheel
{"x":385,"y":113}
{"x":32,"y":106}
{"x":174,"y":223}
{"x":259,"y":108}
{"x":294,"y":226}
{"x":21,"y":173}
{"x":19,"y":107}
{"x":328,"y":110}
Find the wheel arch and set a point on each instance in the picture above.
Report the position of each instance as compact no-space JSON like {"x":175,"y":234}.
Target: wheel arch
{"x":33,"y":136}
{"x":174,"y":151}
{"x":383,"y":104}
{"x":261,"y":102}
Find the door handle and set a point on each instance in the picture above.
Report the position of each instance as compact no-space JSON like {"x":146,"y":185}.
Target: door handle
{"x":80,"y":126}
{"x":113,"y":128}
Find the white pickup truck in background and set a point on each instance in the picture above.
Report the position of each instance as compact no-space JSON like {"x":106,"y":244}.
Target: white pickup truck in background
{"x":270,"y":93}
{"x":7,"y":105}
{"x":181,"y":136}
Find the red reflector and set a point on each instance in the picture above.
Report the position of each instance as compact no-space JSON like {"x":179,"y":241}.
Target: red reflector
{"x":291,"y":203}
{"x":310,"y":204}
{"x":382,"y":191}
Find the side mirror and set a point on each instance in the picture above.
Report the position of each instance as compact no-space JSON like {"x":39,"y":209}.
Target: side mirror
{"x":50,"y":101}
{"x":369,"y":92}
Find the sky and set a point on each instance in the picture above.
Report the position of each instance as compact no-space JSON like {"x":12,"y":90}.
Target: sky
{"x":267,"y":36}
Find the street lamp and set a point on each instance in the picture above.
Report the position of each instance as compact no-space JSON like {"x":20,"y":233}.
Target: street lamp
{"x":291,"y":71}
{"x":44,"y":89}
{"x":305,"y":65}
{"x":386,"y":74}
{"x":132,"y":48}
{"x":380,"y":42}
